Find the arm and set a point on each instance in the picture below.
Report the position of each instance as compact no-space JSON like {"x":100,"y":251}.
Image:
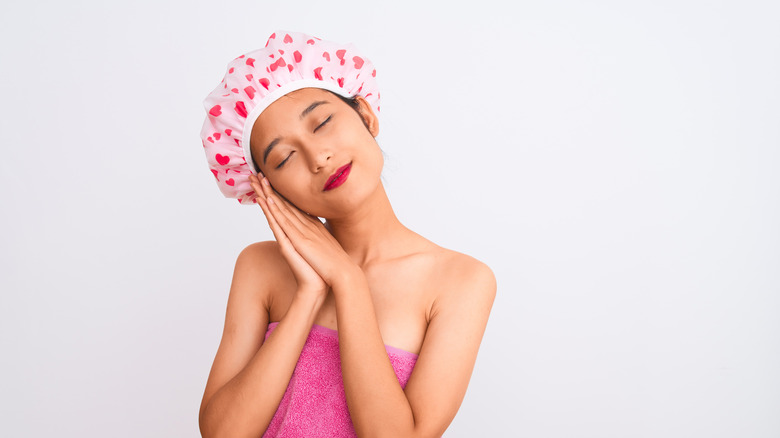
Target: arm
{"x":378,"y":406}
{"x":249,"y":376}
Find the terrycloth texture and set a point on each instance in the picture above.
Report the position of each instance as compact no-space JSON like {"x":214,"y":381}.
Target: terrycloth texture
{"x":288,"y":62}
{"x":315,"y":404}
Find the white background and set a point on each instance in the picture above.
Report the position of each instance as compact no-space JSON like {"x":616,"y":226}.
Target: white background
{"x":615,"y":163}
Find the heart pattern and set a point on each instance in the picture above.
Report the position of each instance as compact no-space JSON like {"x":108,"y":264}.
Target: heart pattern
{"x":278,"y":63}
{"x":340,"y":55}
{"x":241,"y":109}
{"x":222,"y":159}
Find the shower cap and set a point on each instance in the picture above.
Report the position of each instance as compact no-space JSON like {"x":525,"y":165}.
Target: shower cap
{"x":288,"y":62}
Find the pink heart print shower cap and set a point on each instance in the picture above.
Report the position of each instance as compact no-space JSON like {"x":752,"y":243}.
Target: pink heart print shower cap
{"x":288,"y":62}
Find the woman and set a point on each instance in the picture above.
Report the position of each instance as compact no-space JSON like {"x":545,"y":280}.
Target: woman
{"x":354,"y":326}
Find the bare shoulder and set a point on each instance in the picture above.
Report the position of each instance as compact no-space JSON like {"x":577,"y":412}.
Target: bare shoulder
{"x":463,"y":276}
{"x":260,"y":251}
{"x":264,"y":259}
{"x":260,"y":268}
{"x":465,"y":267}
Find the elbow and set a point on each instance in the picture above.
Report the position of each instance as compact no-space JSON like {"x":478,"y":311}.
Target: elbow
{"x":218,"y":425}
{"x":205,"y":426}
{"x":208,"y":431}
{"x":209,"y":427}
{"x":201,"y":421}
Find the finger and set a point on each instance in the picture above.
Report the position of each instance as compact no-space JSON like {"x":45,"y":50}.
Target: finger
{"x":300,"y":228}
{"x":286,"y":247}
{"x":279,"y":233}
{"x":287,"y":217}
{"x":269,"y":193}
{"x":287,"y":207}
{"x":308,"y":243}
{"x":292,"y":227}
{"x":273,"y":223}
{"x":255,"y":183}
{"x":267,"y":213}
{"x":303,"y":222}
{"x":268,"y":190}
{"x":305,"y":218}
{"x":266,"y":186}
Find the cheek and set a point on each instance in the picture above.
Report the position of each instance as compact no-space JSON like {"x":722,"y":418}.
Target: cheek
{"x":288,"y":186}
{"x":376,"y":159}
{"x":294,"y":195}
{"x":302,"y":196}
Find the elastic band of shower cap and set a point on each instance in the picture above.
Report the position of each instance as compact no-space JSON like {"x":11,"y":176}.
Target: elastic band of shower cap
{"x":289,"y":61}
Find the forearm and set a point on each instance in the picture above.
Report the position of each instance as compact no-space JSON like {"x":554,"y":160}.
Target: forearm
{"x":246,"y":404}
{"x":377,"y":403}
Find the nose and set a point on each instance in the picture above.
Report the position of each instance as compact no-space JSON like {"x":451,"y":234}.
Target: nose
{"x":320,"y":158}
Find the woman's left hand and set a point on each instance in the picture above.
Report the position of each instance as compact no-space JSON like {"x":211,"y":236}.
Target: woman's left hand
{"x":307,"y":234}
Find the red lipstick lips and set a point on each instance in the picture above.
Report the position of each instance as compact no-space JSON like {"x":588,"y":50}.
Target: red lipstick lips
{"x":338,"y":178}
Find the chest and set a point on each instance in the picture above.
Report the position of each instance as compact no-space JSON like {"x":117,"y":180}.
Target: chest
{"x":402,"y":301}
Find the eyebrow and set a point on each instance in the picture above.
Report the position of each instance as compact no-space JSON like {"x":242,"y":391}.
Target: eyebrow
{"x":276,"y":141}
{"x":311,"y":107}
{"x":270,"y":146}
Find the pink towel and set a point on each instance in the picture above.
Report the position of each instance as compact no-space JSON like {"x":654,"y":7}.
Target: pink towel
{"x":314,"y":404}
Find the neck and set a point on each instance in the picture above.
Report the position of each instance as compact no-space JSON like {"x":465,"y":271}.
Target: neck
{"x":371,"y":232}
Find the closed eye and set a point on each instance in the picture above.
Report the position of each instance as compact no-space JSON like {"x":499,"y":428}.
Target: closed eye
{"x":285,"y":160}
{"x":315,"y":130}
{"x":323,"y":123}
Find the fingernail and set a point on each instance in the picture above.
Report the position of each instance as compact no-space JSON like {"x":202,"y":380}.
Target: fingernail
{"x":265,"y":181}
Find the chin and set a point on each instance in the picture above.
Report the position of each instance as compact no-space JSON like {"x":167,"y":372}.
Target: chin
{"x":347,"y":201}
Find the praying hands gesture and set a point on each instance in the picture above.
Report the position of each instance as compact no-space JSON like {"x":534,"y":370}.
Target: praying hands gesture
{"x":315,"y":257}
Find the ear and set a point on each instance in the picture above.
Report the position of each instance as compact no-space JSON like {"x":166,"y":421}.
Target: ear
{"x":369,"y":117}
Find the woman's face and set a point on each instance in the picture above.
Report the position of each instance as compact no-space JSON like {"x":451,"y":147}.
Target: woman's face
{"x":317,"y":152}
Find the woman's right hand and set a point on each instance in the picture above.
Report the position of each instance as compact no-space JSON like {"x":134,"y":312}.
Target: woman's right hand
{"x":309,"y":282}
